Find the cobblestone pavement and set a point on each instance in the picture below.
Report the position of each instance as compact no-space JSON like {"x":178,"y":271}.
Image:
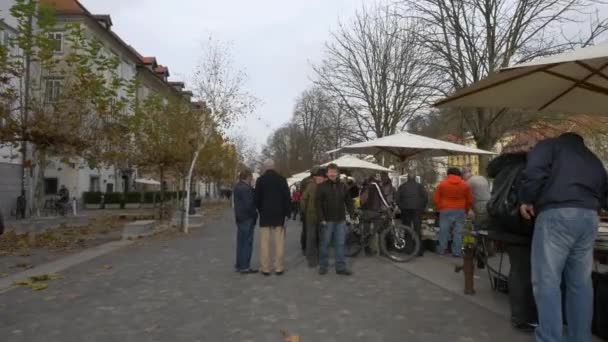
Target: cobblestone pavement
{"x":184,"y":289}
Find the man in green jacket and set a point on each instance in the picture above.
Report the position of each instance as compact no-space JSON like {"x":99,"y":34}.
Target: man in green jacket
{"x":311,"y":220}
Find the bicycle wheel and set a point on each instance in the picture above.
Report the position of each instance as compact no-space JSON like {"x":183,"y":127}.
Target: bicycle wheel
{"x":353,"y":241}
{"x":400,"y":243}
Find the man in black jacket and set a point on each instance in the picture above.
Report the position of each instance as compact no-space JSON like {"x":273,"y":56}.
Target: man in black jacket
{"x":412,"y":199}
{"x":564,"y":186}
{"x":332,"y":201}
{"x":373,"y":204}
{"x":273,"y":201}
{"x":246,"y":217}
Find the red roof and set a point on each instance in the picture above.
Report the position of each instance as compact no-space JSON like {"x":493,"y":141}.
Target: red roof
{"x":452,"y":138}
{"x":163,"y":70}
{"x":65,"y":6}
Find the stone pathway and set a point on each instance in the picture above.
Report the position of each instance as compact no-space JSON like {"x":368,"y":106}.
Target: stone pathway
{"x":184,"y":289}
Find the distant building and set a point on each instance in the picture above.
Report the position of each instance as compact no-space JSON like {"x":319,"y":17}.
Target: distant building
{"x":76,"y":174}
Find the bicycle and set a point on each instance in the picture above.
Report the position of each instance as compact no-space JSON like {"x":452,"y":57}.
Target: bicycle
{"x":398,"y":242}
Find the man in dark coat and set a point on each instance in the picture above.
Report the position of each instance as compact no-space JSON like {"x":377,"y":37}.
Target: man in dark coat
{"x":564,"y":186}
{"x":273,"y":201}
{"x":333,"y":199}
{"x":412,"y":200}
{"x":246,"y":217}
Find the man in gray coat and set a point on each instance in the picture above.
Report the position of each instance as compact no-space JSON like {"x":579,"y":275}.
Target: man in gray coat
{"x":480,"y":187}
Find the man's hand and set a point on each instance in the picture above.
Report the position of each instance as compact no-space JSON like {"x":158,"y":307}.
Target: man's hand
{"x":527,"y":211}
{"x":471,"y":214}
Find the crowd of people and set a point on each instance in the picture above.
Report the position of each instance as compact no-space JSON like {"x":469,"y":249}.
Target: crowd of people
{"x":325,"y":202}
{"x":544,"y":202}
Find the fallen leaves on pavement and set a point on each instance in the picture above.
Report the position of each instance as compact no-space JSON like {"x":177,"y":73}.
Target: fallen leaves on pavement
{"x":36,"y":282}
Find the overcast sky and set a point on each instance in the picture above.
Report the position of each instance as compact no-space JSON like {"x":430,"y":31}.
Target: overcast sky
{"x":273,"y":40}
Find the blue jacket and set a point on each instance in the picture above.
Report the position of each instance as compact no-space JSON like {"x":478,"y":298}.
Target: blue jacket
{"x":244,"y":202}
{"x":563,"y":173}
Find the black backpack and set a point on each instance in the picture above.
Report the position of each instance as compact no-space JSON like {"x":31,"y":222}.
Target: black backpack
{"x":503,"y":206}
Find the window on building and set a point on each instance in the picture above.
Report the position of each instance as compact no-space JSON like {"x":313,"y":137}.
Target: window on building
{"x":52,"y":89}
{"x":50,"y":186}
{"x":4,"y":38}
{"x":57,"y":40}
{"x":94,"y":185}
{"x":109,"y":187}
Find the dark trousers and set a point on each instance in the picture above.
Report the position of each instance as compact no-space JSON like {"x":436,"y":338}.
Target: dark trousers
{"x":413,"y":218}
{"x":295,"y":208}
{"x":311,"y":235}
{"x":244,"y":244}
{"x":303,"y":238}
{"x":521,"y":297}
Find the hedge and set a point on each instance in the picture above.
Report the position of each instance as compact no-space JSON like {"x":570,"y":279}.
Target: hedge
{"x":132,"y":197}
{"x":113,"y":198}
{"x":92,"y":197}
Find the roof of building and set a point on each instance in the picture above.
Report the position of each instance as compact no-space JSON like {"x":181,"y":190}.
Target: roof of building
{"x":66,"y":6}
{"x":162,"y":70}
{"x":74,"y":7}
{"x":106,"y":18}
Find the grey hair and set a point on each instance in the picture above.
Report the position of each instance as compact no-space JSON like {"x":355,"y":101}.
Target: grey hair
{"x":269,"y":164}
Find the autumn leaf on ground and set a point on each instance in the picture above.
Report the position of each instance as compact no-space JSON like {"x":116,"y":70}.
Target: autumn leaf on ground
{"x":3,"y":275}
{"x":23,"y":283}
{"x":107,"y":267}
{"x":39,"y":286}
{"x":45,"y":277}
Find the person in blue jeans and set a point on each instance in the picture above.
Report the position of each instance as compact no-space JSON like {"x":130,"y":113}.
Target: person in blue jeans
{"x":564,"y":185}
{"x":246,"y":217}
{"x":453,"y":199}
{"x":332,"y":200}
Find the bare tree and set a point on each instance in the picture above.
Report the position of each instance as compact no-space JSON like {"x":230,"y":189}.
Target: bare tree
{"x":467,"y":40}
{"x":221,"y":85}
{"x":372,"y":66}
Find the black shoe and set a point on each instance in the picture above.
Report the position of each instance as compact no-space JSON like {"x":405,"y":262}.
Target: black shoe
{"x":322,"y":271}
{"x":346,"y":272}
{"x":279,"y":273}
{"x":249,"y":271}
{"x":266,"y":274}
{"x":525,"y":327}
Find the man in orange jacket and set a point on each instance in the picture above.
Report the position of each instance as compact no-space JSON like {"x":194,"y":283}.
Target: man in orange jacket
{"x":453,"y":200}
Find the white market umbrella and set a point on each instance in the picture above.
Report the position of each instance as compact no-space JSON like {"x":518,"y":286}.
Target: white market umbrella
{"x":405,"y":145}
{"x":297,"y":178}
{"x":148,"y":181}
{"x":573,"y":82}
{"x":354,"y":163}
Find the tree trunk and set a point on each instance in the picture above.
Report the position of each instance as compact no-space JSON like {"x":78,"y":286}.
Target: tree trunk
{"x":39,"y":188}
{"x":484,"y":160}
{"x":187,"y":199}
{"x":162,"y":192}
{"x":25,"y":115}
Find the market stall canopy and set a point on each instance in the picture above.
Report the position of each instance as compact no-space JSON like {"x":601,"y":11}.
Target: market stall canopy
{"x":572,"y":82}
{"x":405,"y":145}
{"x":148,"y":181}
{"x":352,"y":163}
{"x":297,"y":178}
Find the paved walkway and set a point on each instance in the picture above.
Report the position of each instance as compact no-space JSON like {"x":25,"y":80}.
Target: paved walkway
{"x":184,"y":289}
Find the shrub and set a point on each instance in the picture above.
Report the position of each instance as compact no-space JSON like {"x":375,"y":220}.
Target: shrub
{"x":113,"y":197}
{"x":133,"y":197}
{"x":149,"y":197}
{"x":91,"y":197}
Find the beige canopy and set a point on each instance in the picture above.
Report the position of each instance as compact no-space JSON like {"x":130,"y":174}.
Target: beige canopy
{"x":574,"y":82}
{"x":405,"y":145}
